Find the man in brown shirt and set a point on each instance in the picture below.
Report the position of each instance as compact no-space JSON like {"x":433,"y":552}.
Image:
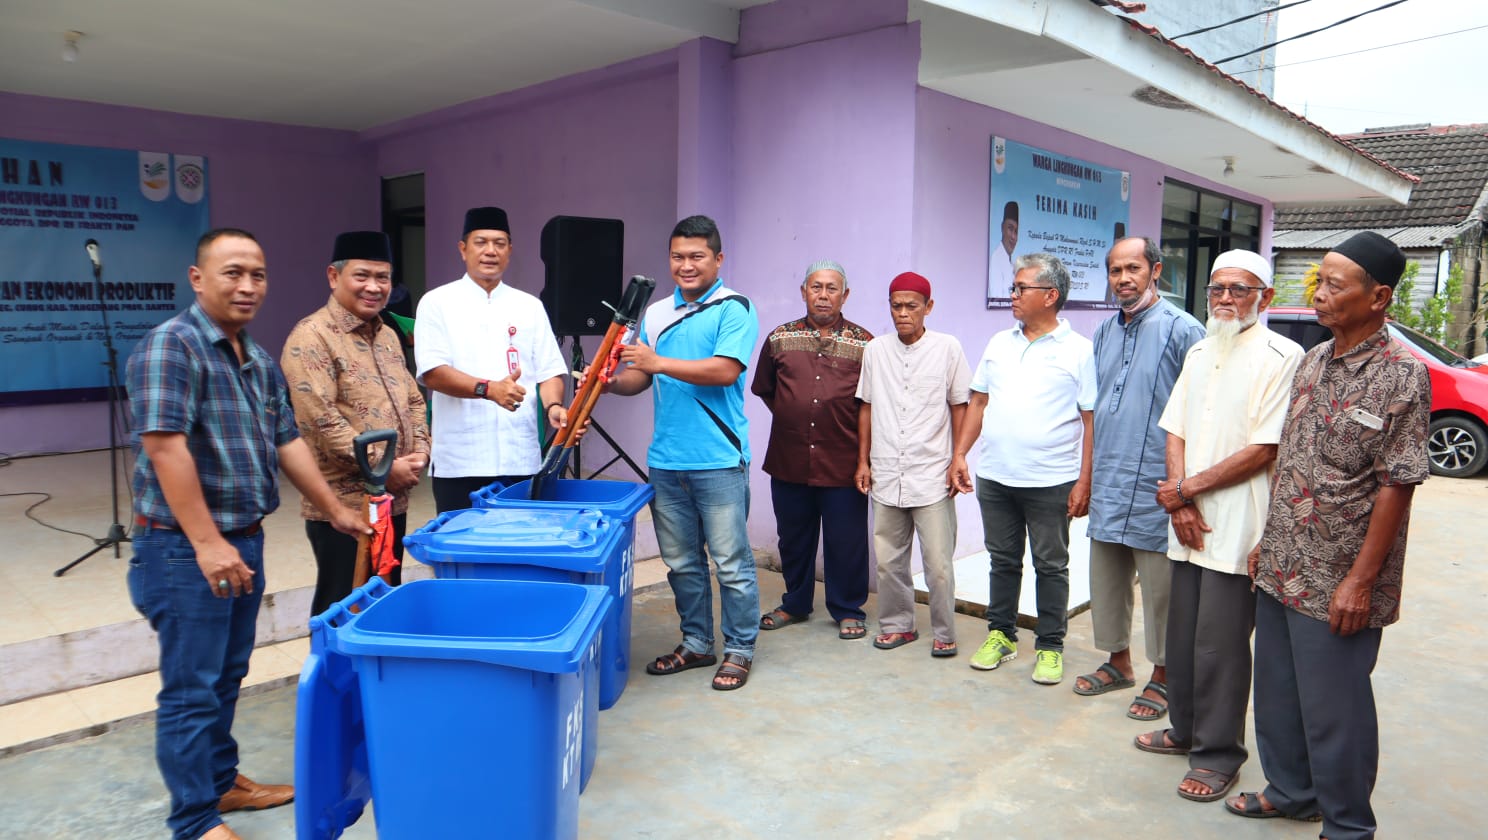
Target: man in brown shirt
{"x":347,"y":375}
{"x":807,"y":375}
{"x":1330,"y":561}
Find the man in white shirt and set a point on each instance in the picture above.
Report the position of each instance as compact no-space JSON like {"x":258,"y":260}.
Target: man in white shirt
{"x":1032,"y":404}
{"x":1224,"y":421}
{"x":913,"y":390}
{"x":480,"y":346}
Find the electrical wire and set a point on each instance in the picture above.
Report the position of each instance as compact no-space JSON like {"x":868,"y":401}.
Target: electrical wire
{"x":1313,"y":32}
{"x":1238,"y":20}
{"x":1365,"y":50}
{"x":47,"y":497}
{"x":7,"y":459}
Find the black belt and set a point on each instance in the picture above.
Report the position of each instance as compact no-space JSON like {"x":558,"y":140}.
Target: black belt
{"x":245,"y":531}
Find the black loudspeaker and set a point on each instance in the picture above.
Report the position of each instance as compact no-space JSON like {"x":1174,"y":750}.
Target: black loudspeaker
{"x":582,"y":259}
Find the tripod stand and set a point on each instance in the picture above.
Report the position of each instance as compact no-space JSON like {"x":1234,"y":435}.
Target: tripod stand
{"x":116,"y":533}
{"x":577,"y":364}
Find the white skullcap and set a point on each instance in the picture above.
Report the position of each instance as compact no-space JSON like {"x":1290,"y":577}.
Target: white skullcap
{"x":1245,"y":261}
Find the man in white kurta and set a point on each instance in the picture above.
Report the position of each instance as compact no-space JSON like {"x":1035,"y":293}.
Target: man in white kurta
{"x":914,"y":387}
{"x":481,"y":346}
{"x":1224,"y":421}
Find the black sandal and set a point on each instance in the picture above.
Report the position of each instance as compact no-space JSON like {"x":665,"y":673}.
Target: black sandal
{"x":680,"y":659}
{"x":735,"y":666}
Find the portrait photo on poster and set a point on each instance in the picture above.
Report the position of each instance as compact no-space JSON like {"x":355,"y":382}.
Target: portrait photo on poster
{"x":1044,"y":202}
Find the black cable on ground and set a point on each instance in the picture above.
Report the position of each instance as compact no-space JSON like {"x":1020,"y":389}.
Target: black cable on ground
{"x":45,"y":497}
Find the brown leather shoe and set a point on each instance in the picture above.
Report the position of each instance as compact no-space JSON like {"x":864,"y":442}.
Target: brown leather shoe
{"x":248,"y":795}
{"x":221,"y":832}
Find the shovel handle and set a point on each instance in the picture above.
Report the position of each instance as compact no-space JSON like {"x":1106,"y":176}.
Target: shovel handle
{"x":375,"y":477}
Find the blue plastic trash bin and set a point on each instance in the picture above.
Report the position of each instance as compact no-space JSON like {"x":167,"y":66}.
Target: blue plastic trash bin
{"x":474,"y":708}
{"x":620,"y":499}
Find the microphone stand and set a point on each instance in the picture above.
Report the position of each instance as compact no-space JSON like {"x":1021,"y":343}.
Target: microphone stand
{"x":116,"y":533}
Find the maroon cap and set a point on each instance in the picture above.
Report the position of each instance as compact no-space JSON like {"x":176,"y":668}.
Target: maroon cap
{"x":910,"y":282}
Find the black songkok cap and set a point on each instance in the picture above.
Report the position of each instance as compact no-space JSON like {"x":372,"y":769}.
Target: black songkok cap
{"x":485,"y":218}
{"x":371,"y":245}
{"x":1010,"y":211}
{"x":1378,"y":256}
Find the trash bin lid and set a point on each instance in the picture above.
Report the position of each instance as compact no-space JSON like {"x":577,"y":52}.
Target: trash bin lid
{"x":567,"y":539}
{"x":332,"y":785}
{"x":534,"y":625}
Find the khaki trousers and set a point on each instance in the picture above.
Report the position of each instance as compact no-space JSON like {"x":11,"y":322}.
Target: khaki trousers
{"x":1113,"y":567}
{"x":893,"y":532}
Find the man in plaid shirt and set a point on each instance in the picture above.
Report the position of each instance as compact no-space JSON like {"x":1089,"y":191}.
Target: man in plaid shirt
{"x":213,"y":427}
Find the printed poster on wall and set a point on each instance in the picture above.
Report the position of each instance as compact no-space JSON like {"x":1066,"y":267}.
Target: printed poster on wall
{"x":142,"y":212}
{"x":1071,"y":208}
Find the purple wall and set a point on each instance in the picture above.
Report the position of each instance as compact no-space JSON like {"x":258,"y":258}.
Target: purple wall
{"x":820,"y":174}
{"x":294,"y":188}
{"x":601,"y":143}
{"x":952,"y":162}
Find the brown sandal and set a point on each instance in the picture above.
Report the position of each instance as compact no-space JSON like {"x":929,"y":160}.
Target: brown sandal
{"x":735,"y":666}
{"x":680,"y":659}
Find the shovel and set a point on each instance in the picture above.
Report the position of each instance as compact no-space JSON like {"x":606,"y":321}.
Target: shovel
{"x":375,"y":550}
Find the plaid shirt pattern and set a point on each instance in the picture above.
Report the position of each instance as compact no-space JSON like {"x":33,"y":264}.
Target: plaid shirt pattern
{"x":184,"y":377}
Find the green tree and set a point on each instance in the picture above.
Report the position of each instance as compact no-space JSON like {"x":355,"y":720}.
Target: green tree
{"x":1400,"y":305}
{"x":1436,"y":312}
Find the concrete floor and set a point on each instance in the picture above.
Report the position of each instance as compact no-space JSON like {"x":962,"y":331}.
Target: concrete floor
{"x":834,"y":738}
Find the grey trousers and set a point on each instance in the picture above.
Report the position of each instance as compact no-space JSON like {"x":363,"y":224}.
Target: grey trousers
{"x":893,"y":531}
{"x":1210,"y":618}
{"x":1041,"y":513}
{"x":1316,"y":728}
{"x":1112,"y":569}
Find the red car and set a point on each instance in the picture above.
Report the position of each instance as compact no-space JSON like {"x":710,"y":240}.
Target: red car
{"x":1458,"y":446}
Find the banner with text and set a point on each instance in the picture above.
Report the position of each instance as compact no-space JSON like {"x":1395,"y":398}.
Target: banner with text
{"x":63,"y":211}
{"x":1071,"y":208}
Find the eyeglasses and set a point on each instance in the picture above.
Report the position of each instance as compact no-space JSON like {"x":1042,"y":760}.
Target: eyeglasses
{"x":1235,"y":292}
{"x":1017,"y":291}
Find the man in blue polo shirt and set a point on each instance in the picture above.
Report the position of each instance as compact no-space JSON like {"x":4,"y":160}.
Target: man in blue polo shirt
{"x":694,"y":348}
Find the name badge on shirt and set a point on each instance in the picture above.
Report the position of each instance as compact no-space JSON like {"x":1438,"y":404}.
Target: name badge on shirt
{"x":1366,"y":419}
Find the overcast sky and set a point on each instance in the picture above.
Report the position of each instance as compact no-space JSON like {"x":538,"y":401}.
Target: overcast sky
{"x":1427,"y":81}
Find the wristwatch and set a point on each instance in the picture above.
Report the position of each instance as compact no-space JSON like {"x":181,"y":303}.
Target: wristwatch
{"x":481,"y":388}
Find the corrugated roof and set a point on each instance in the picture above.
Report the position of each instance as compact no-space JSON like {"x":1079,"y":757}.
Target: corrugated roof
{"x":1451,"y":163}
{"x":1407,"y":237}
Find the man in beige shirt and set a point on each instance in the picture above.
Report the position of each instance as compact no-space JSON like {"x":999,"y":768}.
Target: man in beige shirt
{"x":1223,"y":421}
{"x":347,"y":375}
{"x":914,"y":388}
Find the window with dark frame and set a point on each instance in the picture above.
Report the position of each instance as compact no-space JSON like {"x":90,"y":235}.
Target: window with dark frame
{"x":1197,"y":226}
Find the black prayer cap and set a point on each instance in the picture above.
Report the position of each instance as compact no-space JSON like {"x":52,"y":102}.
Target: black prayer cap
{"x":485,"y":218}
{"x":1010,"y":211}
{"x":371,"y":245}
{"x":1380,"y":258}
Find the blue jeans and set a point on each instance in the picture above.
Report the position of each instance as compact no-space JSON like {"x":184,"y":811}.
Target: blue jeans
{"x":205,"y":643}
{"x":698,"y":508}
{"x":1008,"y":513}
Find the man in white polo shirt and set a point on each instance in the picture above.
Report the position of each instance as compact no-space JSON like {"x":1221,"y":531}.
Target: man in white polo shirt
{"x":480,"y":345}
{"x":1032,"y":402}
{"x":1224,"y":421}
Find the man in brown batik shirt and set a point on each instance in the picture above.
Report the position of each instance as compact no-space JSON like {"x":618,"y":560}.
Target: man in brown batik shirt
{"x":1331,"y":558}
{"x":807,"y":375}
{"x":347,"y":375}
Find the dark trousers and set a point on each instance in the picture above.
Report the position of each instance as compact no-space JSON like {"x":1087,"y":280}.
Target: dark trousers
{"x":839,"y":517}
{"x":454,"y":493}
{"x":1210,"y":618}
{"x":1008,"y":513}
{"x":335,"y":561}
{"x":1316,"y":727}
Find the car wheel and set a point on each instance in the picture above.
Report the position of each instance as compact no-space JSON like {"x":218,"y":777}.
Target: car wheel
{"x":1457,"y":447}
